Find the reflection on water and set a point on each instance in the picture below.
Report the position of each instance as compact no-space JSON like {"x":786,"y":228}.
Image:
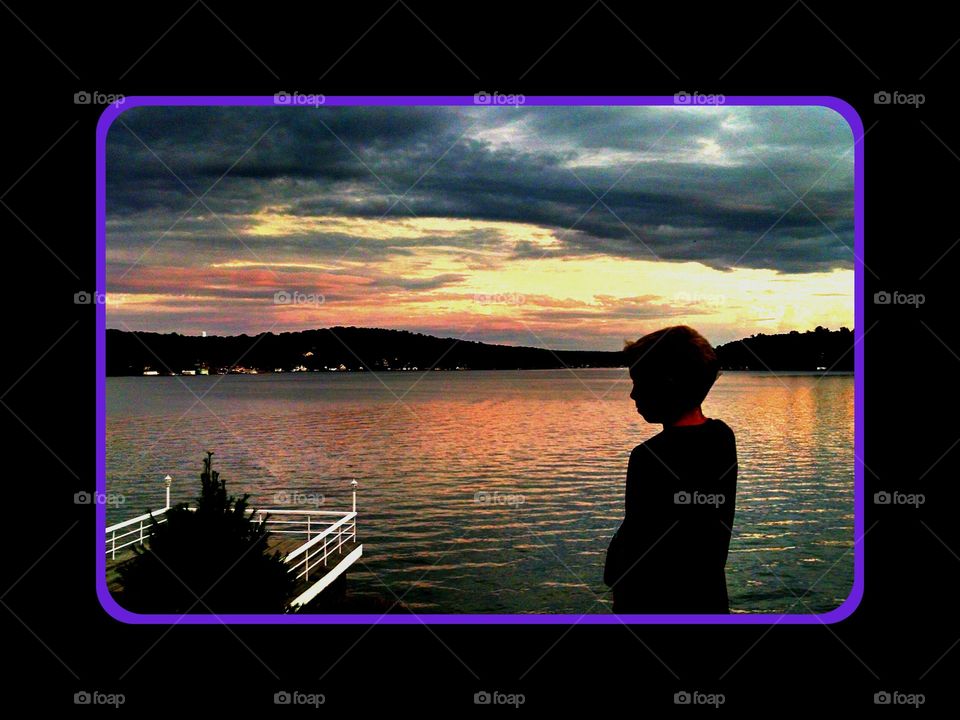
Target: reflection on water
{"x":498,"y":491}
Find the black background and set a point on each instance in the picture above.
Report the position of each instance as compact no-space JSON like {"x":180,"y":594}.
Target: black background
{"x":56,"y":638}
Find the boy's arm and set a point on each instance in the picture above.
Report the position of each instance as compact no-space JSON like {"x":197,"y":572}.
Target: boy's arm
{"x":619,"y":553}
{"x":648,"y":502}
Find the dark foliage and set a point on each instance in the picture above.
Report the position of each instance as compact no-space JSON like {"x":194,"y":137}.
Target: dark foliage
{"x":820,"y":348}
{"x":375,"y":349}
{"x":215,"y":552}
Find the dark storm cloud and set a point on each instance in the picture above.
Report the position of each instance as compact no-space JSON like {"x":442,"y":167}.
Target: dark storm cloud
{"x":725,"y":186}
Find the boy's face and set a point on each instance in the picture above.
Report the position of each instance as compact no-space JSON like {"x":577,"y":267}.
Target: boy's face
{"x":645,"y":396}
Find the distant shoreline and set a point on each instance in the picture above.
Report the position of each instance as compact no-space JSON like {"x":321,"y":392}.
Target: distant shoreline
{"x":353,"y":349}
{"x":778,"y":371}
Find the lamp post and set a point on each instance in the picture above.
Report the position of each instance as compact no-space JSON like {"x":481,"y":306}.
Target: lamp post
{"x":168,"y":481}
{"x":354,"y":484}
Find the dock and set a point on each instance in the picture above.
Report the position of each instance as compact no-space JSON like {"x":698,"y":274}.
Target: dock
{"x":318,"y":546}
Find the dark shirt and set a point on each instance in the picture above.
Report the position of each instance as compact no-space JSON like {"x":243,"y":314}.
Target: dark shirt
{"x":668,"y":555}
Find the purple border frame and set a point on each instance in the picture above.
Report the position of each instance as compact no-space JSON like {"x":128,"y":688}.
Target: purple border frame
{"x":836,"y":615}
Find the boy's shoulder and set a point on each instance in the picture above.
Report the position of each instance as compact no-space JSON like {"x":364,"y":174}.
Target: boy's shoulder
{"x":721,"y":426}
{"x":650,"y":445}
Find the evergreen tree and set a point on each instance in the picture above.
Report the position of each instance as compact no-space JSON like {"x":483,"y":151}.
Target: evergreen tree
{"x":216,"y":552}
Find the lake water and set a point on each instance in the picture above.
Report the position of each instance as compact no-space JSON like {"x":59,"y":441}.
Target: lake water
{"x":548,"y":448}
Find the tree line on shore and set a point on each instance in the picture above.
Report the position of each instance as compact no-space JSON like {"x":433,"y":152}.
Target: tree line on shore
{"x":377,"y":349}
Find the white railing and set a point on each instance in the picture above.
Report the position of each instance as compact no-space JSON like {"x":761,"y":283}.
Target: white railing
{"x":328,"y":541}
{"x":325,"y":532}
{"x":303,"y":523}
{"x":139,"y":530}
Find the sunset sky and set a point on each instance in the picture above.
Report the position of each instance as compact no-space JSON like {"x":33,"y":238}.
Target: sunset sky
{"x":545,"y":226}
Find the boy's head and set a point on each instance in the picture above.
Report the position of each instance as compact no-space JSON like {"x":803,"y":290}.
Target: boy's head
{"x":672,"y":370}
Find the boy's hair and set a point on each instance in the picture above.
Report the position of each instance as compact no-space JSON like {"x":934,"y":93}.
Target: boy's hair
{"x":679,"y":360}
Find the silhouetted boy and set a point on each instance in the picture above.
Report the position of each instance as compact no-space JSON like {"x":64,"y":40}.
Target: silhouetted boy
{"x":668,"y":555}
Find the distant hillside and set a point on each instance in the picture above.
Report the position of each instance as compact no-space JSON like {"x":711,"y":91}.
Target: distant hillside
{"x":353,"y":348}
{"x":820,"y":348}
{"x":130,"y":353}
